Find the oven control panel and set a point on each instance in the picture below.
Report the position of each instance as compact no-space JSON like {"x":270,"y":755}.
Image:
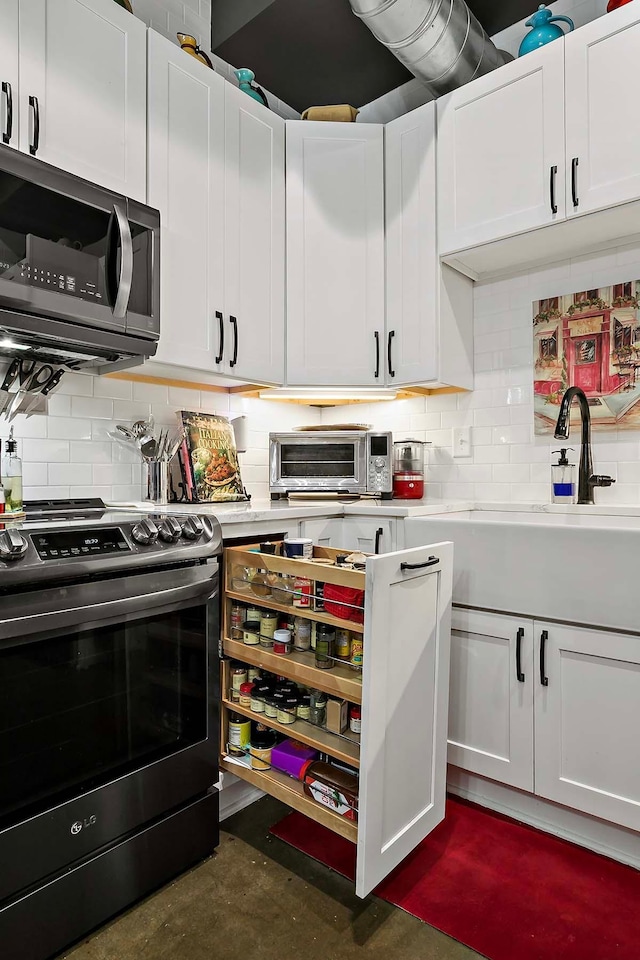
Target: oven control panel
{"x":79,"y":543}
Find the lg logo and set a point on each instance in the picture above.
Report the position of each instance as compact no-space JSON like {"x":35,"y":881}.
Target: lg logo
{"x":80,"y":825}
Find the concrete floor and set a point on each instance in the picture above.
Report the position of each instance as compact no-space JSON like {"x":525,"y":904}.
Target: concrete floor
{"x":259,"y":899}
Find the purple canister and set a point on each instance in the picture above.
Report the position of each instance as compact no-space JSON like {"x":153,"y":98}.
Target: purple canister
{"x":293,"y":758}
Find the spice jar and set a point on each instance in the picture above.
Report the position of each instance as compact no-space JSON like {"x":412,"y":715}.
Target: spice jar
{"x":238,"y":677}
{"x":301,"y":634}
{"x":268,"y":624}
{"x":253,"y":673}
{"x":256,"y":701}
{"x":343,"y":644}
{"x":271,"y":706}
{"x":263,"y":740}
{"x":287,"y":707}
{"x":245,"y":694}
{"x":251,"y":632}
{"x":239,"y":734}
{"x":253,"y":613}
{"x":356,"y":653}
{"x":302,"y":592}
{"x":325,"y":639}
{"x":354,"y":718}
{"x":282,"y":589}
{"x":318,"y":707}
{"x":303,"y":710}
{"x":282,"y":642}
{"x":259,"y":584}
{"x":237,"y":619}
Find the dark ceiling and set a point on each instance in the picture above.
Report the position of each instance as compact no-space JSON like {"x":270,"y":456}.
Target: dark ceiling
{"x":315,"y":52}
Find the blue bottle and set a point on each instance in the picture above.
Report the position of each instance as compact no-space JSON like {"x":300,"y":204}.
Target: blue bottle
{"x":245,"y":78}
{"x":543,"y":30}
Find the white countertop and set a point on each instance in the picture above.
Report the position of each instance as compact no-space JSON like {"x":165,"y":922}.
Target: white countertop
{"x":268,"y":510}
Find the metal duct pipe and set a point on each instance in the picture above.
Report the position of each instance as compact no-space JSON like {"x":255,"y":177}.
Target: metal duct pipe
{"x":439,"y":41}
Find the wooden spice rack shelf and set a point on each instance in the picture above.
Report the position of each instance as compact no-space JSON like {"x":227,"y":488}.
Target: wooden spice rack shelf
{"x":291,"y":792}
{"x":341,"y":681}
{"x":318,"y":615}
{"x":343,"y":747}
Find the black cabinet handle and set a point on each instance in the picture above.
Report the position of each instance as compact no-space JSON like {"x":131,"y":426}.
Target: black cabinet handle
{"x":377,"y":339}
{"x":220,"y":320}
{"x":35,"y":106}
{"x":8,"y":92}
{"x":552,"y":188}
{"x":574,"y":181}
{"x":544,"y":679}
{"x":234,"y":324}
{"x":379,"y":533}
{"x":418,"y":566}
{"x":519,"y":673}
{"x":392,"y":334}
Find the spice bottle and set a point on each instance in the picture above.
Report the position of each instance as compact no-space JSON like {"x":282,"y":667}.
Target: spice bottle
{"x":256,"y":701}
{"x":287,"y":707}
{"x":268,"y":624}
{"x":302,"y":592}
{"x":356,"y":653}
{"x":354,"y":718}
{"x":282,"y":642}
{"x":318,"y":707}
{"x":237,"y":619}
{"x":325,"y":638}
{"x":239,"y":734}
{"x":246,"y":690}
{"x":303,"y":711}
{"x":12,"y":476}
{"x":343,"y":644}
{"x":302,"y":634}
{"x":238,"y":677}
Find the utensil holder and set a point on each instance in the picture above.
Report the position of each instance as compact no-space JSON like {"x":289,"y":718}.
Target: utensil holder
{"x":155,"y":481}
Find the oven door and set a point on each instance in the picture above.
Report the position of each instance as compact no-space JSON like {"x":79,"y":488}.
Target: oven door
{"x":333,"y":464}
{"x":108,"y":713}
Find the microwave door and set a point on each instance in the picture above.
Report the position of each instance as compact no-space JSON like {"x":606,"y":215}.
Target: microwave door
{"x":143,"y":305}
{"x":56,"y":240}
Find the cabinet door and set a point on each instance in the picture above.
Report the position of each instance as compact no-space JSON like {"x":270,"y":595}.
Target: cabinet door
{"x":410,"y":222}
{"x":368,"y":534}
{"x":335,"y":253}
{"x":324,"y":533}
{"x":499,"y":140}
{"x":186,"y":183}
{"x":587,"y":718}
{"x":601,"y":72}
{"x":9,"y":90}
{"x":254,"y":239}
{"x":491,"y":697}
{"x":403,"y":747}
{"x":85,"y":62}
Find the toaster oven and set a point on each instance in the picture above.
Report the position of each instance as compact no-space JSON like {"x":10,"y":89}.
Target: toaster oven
{"x":330,"y":462}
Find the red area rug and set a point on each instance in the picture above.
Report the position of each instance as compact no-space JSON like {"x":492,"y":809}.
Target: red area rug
{"x":506,"y":890}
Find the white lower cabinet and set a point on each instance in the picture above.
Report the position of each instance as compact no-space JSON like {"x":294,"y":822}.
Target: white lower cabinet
{"x":491,"y":696}
{"x":368,"y":534}
{"x":400,"y":754}
{"x":587,"y":718}
{"x":577,"y":688}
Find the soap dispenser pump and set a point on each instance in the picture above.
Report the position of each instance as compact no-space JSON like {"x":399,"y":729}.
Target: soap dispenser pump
{"x":563,"y":478}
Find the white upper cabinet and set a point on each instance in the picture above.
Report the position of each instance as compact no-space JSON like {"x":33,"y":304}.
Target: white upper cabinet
{"x":429,"y":309}
{"x":9,"y":72}
{"x":254,"y":227}
{"x":335,"y":254}
{"x":186,"y":183}
{"x":501,"y":152}
{"x":411,"y":249}
{"x":603,"y":138}
{"x":83,"y":90}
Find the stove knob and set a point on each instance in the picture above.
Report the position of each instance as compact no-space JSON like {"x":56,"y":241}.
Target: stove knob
{"x":192,"y":528}
{"x":207,"y":528}
{"x":145,"y":532}
{"x":13,"y":545}
{"x":170,"y":530}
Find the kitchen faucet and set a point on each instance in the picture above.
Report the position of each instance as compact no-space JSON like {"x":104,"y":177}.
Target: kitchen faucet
{"x":587,"y":480}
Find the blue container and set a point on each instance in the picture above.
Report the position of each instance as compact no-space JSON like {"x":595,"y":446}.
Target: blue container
{"x":543,"y":30}
{"x":245,"y":78}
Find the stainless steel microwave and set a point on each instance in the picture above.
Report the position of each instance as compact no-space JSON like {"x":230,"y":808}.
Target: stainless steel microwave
{"x":330,"y":462}
{"x":79,"y":268}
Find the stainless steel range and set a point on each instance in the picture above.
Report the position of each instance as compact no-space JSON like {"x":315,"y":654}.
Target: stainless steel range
{"x":109,"y":632}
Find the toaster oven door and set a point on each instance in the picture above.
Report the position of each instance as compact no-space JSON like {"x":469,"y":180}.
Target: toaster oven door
{"x":327,"y":465}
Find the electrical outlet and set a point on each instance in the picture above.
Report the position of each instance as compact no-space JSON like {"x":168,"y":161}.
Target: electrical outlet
{"x":462,"y":441}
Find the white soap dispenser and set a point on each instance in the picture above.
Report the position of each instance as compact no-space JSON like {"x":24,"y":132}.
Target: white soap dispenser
{"x":563,"y":478}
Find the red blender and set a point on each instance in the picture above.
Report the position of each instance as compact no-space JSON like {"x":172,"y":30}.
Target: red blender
{"x":408,"y":469}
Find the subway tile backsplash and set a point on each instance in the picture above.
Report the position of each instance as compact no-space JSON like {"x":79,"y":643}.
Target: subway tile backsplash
{"x":508,"y":462}
{"x":69,"y":453}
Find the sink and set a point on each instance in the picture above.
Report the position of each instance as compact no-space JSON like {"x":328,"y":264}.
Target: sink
{"x":544,"y":562}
